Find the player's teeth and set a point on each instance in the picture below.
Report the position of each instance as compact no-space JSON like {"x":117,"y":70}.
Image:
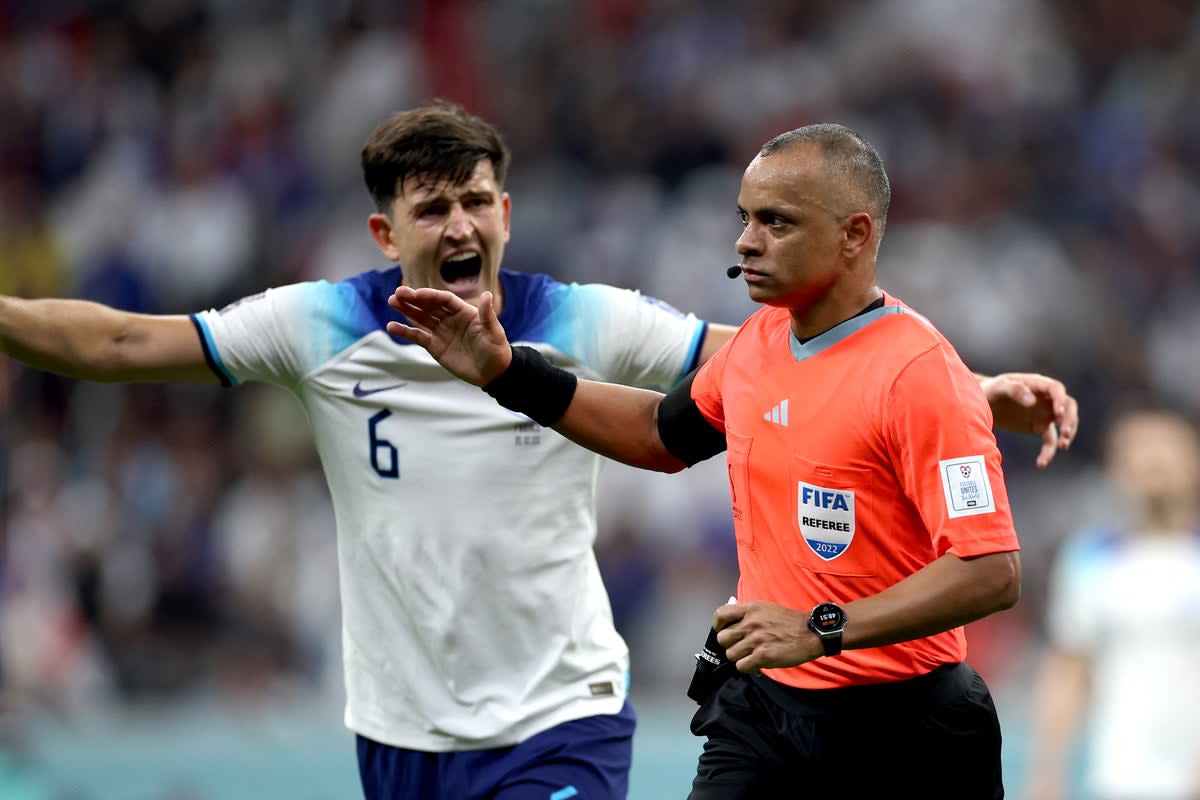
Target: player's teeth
{"x":461,"y":257}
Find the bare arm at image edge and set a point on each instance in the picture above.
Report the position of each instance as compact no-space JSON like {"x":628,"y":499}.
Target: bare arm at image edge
{"x":89,"y":341}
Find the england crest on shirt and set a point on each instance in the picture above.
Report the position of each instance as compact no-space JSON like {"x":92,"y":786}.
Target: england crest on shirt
{"x":826,"y":518}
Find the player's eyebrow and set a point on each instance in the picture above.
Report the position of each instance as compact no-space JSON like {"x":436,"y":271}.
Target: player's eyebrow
{"x":421,"y":206}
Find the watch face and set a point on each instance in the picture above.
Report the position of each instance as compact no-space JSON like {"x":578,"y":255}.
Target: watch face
{"x":827,"y":618}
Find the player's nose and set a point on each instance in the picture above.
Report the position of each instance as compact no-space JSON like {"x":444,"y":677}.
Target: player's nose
{"x":458,"y":223}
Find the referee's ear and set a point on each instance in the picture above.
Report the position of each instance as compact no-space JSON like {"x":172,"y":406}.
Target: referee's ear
{"x":856,"y":232}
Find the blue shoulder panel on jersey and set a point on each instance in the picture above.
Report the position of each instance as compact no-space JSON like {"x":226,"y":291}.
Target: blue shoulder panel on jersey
{"x":528,"y":302}
{"x":538,"y":308}
{"x":1091,"y":548}
{"x":523,"y":316}
{"x":336,"y":315}
{"x":373,"y":290}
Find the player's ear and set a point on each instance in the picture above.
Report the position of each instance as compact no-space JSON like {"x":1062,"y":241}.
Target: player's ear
{"x":856,"y":232}
{"x":380,"y":226}
{"x":506,"y":204}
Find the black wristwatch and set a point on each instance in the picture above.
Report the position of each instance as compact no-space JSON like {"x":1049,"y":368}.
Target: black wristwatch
{"x":828,"y":621}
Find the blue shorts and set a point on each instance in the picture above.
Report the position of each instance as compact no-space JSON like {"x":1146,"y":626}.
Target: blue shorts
{"x":584,"y":759}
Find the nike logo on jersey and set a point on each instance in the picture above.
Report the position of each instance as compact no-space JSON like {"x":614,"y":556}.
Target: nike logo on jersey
{"x":778,"y":414}
{"x":359,"y":391}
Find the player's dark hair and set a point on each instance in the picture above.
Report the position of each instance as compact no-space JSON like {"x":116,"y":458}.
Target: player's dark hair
{"x":440,"y":142}
{"x":848,"y":157}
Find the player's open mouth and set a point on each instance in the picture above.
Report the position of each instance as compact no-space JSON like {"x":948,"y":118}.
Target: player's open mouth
{"x":461,"y":270}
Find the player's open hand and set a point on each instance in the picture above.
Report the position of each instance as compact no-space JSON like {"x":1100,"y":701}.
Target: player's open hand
{"x":758,"y":635}
{"x":469,"y":342}
{"x":1026,"y":402}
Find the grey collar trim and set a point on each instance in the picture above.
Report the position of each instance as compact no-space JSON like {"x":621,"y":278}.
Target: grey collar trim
{"x":843,"y":330}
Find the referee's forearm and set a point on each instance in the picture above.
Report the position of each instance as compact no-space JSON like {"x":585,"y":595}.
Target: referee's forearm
{"x":948,"y":593}
{"x":618,"y":422}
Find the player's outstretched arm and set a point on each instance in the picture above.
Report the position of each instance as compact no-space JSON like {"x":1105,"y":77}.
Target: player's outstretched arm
{"x":1026,"y":402}
{"x":619,"y":422}
{"x":90,"y":341}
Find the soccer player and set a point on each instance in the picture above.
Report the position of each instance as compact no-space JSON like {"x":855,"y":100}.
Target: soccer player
{"x":869,"y":505}
{"x":480,"y":654}
{"x":1124,"y":628}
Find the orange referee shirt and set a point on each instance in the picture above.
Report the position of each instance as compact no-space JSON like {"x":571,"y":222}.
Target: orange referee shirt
{"x":854,"y":460}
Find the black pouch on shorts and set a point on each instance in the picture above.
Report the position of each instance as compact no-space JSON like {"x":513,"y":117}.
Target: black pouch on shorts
{"x":712,"y":669}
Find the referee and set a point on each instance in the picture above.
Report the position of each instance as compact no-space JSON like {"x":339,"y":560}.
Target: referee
{"x":868,"y":500}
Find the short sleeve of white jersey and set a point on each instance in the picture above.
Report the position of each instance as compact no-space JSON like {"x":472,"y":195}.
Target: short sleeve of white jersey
{"x":1073,"y":619}
{"x":624,"y":336}
{"x":281,"y":335}
{"x":619,"y":335}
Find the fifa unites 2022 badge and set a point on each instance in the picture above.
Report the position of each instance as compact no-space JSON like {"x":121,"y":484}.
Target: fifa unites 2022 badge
{"x":967,"y":486}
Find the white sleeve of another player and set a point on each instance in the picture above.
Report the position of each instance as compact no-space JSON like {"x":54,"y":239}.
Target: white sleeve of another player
{"x":1073,"y":620}
{"x":630,"y":338}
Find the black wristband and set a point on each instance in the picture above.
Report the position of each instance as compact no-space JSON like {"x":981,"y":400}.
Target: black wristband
{"x":534,"y":387}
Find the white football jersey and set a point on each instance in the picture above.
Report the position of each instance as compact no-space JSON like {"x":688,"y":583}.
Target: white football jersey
{"x":473,"y":613}
{"x":1130,"y":602}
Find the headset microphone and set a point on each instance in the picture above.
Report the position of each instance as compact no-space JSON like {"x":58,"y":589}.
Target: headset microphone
{"x":733,"y":271}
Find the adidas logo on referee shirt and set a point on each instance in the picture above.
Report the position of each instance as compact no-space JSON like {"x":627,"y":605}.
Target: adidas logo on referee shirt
{"x":778,"y":414}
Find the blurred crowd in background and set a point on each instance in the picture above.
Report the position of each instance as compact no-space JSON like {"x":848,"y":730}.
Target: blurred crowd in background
{"x":159,"y":543}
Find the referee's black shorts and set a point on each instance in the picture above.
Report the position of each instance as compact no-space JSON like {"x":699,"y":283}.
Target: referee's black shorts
{"x":935,"y":736}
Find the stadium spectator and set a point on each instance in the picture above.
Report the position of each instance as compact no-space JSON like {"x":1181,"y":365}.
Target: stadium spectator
{"x":868,"y":500}
{"x":1124,"y":629}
